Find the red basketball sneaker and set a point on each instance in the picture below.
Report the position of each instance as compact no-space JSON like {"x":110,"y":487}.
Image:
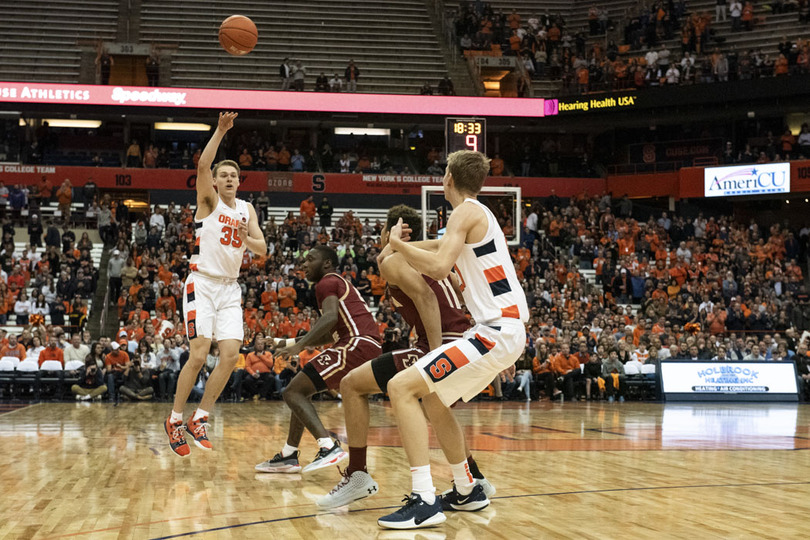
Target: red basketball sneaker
{"x":198,"y":429}
{"x":176,"y":439}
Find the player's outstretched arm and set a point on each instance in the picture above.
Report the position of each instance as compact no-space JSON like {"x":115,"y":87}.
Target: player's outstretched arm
{"x":427,"y":245}
{"x":206,"y":194}
{"x":396,"y":271}
{"x":252,"y":233}
{"x":439,"y":263}
{"x":320,"y":334}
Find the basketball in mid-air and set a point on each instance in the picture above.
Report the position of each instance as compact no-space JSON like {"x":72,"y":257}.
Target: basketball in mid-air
{"x":238,"y":35}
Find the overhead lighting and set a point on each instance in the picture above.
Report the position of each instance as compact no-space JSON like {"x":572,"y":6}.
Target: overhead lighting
{"x":371,"y":132}
{"x":492,"y":85}
{"x":181,"y":126}
{"x":67,"y":123}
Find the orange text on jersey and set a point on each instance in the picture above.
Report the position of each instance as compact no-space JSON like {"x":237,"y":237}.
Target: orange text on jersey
{"x":228,"y":220}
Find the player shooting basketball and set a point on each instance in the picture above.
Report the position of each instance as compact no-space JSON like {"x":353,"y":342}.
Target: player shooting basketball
{"x":212,"y":299}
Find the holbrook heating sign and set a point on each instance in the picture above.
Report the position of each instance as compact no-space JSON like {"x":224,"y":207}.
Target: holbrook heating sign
{"x":751,"y":179}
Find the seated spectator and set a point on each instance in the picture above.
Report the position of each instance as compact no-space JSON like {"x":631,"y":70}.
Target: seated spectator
{"x":22,"y":309}
{"x":34,"y":350}
{"x":76,"y":351}
{"x":91,"y":383}
{"x":237,"y":378}
{"x":13,"y":348}
{"x":136,"y":382}
{"x":566,"y":367}
{"x":614,"y":377}
{"x":52,"y":352}
{"x":335,"y":83}
{"x":496,"y":166}
{"x":543,"y":371}
{"x":446,"y":87}
{"x":117,"y":365}
{"x":168,"y":369}
{"x":259,"y":366}
{"x":592,"y":372}
{"x":322,"y":83}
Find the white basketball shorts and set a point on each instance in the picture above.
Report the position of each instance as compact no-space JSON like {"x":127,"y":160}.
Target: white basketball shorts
{"x":463,"y":368}
{"x":212,"y":308}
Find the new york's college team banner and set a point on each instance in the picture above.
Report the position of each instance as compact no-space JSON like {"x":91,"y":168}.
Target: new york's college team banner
{"x":312,"y":183}
{"x":267,"y":100}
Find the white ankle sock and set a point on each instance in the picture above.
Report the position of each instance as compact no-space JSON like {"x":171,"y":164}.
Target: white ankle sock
{"x":462,"y":477}
{"x":199,"y":413}
{"x":326,"y":442}
{"x":177,"y":416}
{"x":423,"y":483}
{"x":288,"y":450}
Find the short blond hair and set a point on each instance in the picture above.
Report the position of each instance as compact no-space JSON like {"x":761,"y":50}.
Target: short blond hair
{"x":469,"y":170}
{"x":228,"y":163}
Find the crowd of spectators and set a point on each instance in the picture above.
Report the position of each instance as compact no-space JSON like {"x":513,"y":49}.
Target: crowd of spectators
{"x":293,"y":77}
{"x":642,"y":58}
{"x":445,"y":87}
{"x":606,"y":70}
{"x":770,"y":148}
{"x":705,"y":288}
{"x":610,"y":295}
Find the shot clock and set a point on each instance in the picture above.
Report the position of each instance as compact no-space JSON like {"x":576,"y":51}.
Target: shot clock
{"x":465,"y":134}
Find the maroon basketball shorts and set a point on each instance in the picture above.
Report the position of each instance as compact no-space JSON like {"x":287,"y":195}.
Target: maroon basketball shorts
{"x":328,"y":368}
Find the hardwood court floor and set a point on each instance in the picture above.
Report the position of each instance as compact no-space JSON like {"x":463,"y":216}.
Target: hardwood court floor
{"x":577,"y":470}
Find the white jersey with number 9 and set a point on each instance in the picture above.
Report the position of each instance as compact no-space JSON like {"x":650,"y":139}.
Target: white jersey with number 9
{"x":218,"y":247}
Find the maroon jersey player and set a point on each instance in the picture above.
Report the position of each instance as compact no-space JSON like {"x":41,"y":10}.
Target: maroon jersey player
{"x":345,"y":321}
{"x":432,"y":308}
{"x":451,"y":316}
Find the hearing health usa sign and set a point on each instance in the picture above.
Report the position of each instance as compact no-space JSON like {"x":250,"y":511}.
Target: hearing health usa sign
{"x":752,"y":179}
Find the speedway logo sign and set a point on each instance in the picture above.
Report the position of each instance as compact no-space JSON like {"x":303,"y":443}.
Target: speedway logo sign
{"x":752,"y":179}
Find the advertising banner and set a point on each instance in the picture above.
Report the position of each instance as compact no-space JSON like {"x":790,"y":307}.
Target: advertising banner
{"x":280,"y":181}
{"x":751,"y":179}
{"x":684,"y":151}
{"x":707,"y":380}
{"x":208,"y":98}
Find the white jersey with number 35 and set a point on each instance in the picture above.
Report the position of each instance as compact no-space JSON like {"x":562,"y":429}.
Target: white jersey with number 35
{"x":218,"y":248}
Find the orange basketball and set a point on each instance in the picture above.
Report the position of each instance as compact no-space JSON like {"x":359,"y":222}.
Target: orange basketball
{"x":238,"y":35}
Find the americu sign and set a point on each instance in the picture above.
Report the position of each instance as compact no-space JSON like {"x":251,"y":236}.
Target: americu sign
{"x":752,"y":179}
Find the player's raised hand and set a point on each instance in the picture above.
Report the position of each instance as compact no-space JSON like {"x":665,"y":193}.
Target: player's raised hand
{"x":400,"y":232}
{"x":226,"y":120}
{"x":242,"y":229}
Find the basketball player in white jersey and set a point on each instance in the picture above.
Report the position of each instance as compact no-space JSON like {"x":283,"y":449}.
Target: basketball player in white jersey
{"x":212,"y":299}
{"x":475,"y":246}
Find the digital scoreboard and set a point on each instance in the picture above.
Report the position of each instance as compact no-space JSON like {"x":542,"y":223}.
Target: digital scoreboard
{"x":465,"y":134}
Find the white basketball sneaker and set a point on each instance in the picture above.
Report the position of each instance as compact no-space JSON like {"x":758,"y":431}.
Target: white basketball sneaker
{"x":354,"y":487}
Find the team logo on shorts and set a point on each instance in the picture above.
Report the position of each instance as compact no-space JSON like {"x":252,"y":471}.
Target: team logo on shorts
{"x":446,"y":363}
{"x":410,"y":360}
{"x":192,"y":324}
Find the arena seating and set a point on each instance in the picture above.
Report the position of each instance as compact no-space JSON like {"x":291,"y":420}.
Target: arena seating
{"x":391,"y":42}
{"x":562,"y":271}
{"x":19,"y":245}
{"x":48,"y":51}
{"x":769,"y":28}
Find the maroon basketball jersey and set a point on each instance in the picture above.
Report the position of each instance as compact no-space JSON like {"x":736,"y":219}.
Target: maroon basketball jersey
{"x":454,"y":323}
{"x":354,"y":318}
